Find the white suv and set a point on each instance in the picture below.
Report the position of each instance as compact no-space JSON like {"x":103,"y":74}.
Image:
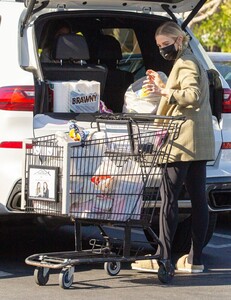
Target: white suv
{"x":27,"y":101}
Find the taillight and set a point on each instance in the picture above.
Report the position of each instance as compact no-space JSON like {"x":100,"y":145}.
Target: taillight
{"x":14,"y":145}
{"x":226,"y":104}
{"x":226,"y":145}
{"x":17,"y":98}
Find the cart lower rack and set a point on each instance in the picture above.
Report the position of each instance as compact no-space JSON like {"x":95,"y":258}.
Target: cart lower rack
{"x":112,"y":177}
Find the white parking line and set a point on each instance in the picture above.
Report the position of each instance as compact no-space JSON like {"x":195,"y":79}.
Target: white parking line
{"x":224,"y":236}
{"x":5,"y":274}
{"x":220,"y":246}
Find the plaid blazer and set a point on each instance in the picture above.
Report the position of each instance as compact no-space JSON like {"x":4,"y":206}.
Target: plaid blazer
{"x":189,"y":97}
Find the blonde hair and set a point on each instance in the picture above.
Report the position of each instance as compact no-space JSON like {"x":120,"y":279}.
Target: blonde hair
{"x":171,"y":29}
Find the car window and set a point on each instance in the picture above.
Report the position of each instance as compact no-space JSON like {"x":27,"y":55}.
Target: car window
{"x":132,"y":60}
{"x":224,"y":68}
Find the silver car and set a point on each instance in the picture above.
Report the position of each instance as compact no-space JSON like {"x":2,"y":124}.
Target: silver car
{"x":222,"y":61}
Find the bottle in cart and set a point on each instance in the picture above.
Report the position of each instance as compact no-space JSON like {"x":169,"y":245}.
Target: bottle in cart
{"x":77,"y":133}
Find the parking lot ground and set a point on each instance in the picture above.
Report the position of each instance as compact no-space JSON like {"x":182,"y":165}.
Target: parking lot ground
{"x":92,"y":282}
{"x":129,"y":284}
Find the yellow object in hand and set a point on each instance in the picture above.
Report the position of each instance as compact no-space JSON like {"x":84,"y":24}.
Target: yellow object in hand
{"x":144,"y":93}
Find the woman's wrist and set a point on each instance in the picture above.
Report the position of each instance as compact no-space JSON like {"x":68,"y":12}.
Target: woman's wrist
{"x":164,"y":92}
{"x":162,"y":85}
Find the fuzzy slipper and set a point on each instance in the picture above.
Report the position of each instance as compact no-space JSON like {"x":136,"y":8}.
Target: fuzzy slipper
{"x":183,"y":265}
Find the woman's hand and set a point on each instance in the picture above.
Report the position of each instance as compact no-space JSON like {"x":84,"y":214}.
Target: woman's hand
{"x":154,"y":84}
{"x":154,"y":77}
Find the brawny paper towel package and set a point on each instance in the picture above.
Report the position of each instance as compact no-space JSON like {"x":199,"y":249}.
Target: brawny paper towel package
{"x":80,"y":96}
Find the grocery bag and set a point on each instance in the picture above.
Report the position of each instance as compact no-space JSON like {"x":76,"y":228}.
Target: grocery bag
{"x":136,"y":101}
{"x":98,"y":192}
{"x":127,"y":202}
{"x":104,"y":183}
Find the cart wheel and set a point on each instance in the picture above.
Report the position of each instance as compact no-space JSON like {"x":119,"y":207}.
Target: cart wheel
{"x":112,"y":268}
{"x":66,"y":277}
{"x":41,"y":275}
{"x":165,"y":272}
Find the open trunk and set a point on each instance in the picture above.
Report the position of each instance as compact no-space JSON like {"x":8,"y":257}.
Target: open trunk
{"x":122,"y":59}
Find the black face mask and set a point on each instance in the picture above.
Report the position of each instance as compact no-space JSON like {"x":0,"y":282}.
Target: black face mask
{"x":169,"y":52}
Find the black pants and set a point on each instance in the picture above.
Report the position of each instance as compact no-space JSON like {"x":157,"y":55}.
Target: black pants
{"x":193,"y":175}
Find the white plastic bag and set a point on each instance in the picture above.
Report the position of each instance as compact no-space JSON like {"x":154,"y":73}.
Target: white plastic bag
{"x":128,"y":195}
{"x":112,"y":193}
{"x":104,"y":183}
{"x":98,"y":192}
{"x":135,"y":101}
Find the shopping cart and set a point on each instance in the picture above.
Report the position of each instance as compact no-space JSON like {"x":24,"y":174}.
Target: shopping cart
{"x":110,"y":178}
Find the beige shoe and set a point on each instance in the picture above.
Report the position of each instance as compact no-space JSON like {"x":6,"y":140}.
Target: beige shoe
{"x":183,"y":265}
{"x":149,"y":265}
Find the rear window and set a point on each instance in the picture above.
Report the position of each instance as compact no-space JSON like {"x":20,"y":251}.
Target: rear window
{"x":224,"y":67}
{"x":132,"y":60}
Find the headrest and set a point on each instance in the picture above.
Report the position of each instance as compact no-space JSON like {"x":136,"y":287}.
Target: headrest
{"x":71,"y":47}
{"x":107,"y":48}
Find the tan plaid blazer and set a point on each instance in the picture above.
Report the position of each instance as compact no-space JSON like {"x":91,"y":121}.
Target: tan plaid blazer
{"x":189,"y":97}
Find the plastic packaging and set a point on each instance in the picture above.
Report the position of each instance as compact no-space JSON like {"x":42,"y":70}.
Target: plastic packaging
{"x":137,"y":101}
{"x":80,"y":96}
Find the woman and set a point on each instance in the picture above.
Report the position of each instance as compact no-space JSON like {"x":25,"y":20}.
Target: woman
{"x":186,"y":93}
{"x":38,"y":192}
{"x":45,"y":190}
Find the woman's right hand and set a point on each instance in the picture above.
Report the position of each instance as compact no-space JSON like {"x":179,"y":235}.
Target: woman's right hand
{"x":153,"y":84}
{"x":154,"y":77}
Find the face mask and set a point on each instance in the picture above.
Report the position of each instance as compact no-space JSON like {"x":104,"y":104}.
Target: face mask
{"x":169,"y":52}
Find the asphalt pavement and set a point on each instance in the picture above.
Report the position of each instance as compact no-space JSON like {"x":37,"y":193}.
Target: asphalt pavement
{"x":92,"y":282}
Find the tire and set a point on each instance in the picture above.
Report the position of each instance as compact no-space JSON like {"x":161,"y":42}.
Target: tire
{"x":66,"y":278}
{"x":112,"y":268}
{"x":182,"y":239}
{"x":41,"y":276}
{"x":165,"y":273}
